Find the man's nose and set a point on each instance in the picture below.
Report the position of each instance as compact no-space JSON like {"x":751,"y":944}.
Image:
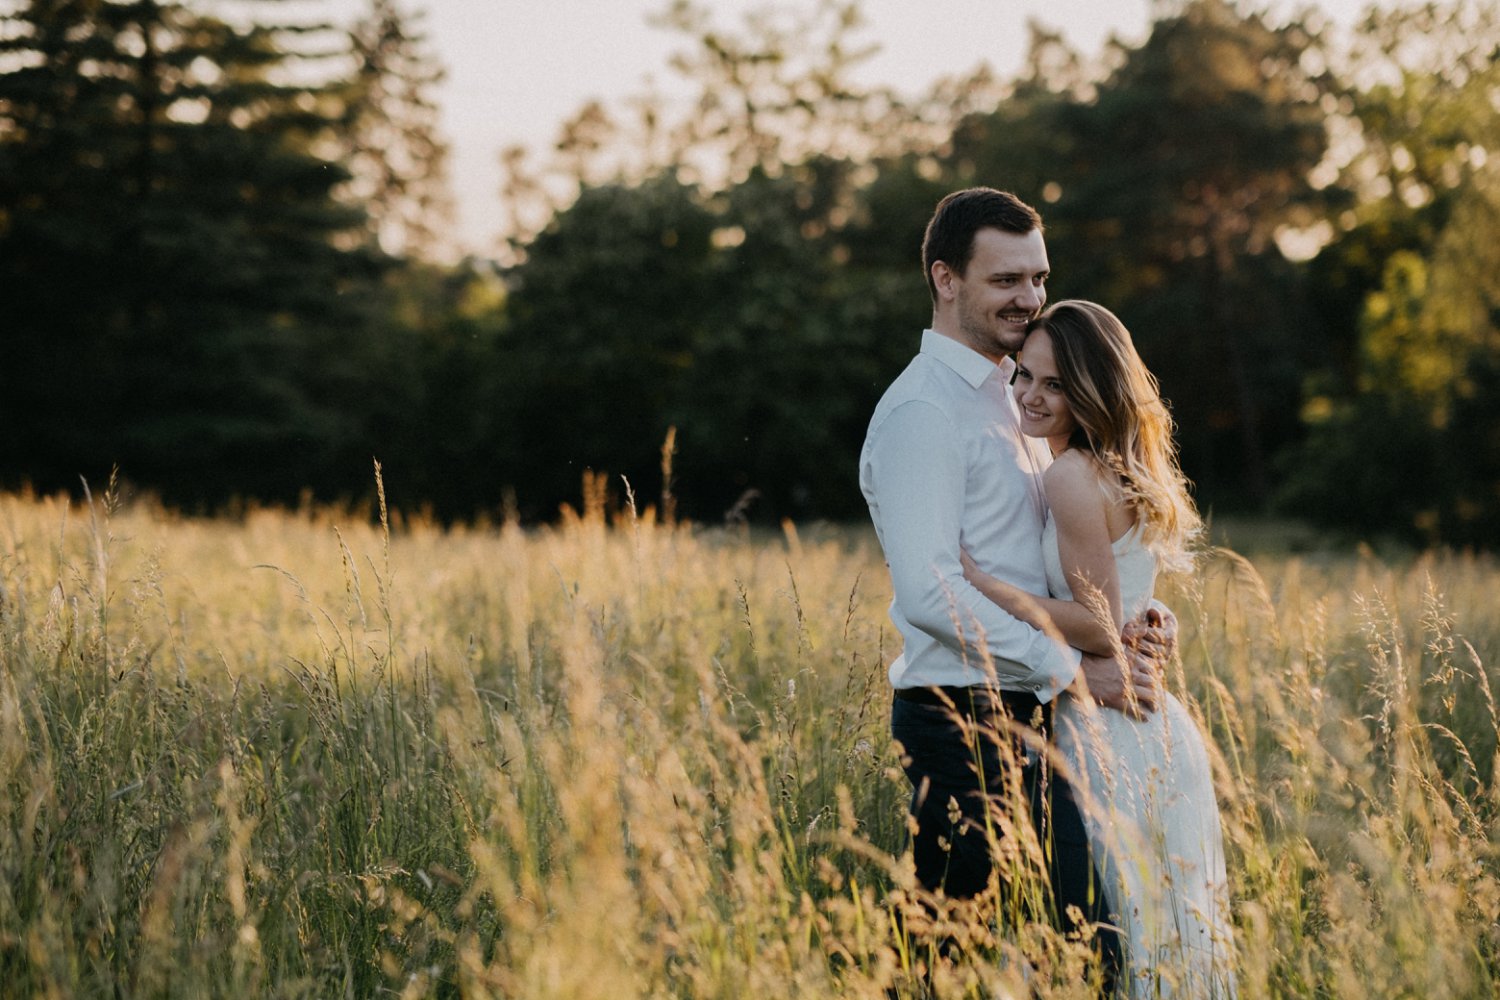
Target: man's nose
{"x":1030,"y":297}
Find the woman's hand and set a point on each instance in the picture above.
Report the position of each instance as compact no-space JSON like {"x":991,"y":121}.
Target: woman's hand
{"x":1152,"y":635}
{"x":972,"y":572}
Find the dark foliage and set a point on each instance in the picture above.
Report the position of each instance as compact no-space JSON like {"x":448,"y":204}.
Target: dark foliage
{"x":196,"y":290}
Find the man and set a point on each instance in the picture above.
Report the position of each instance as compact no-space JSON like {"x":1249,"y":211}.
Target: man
{"x":945,"y":467}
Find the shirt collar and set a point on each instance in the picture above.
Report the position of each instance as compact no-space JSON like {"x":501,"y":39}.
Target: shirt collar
{"x":973,"y":367}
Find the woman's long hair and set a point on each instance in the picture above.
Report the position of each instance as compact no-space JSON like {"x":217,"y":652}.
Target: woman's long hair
{"x":1123,"y":423}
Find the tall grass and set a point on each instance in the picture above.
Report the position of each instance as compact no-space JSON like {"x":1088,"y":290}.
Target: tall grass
{"x":320,"y":753}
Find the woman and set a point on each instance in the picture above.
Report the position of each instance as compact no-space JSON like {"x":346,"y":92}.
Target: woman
{"x":1119,"y":508}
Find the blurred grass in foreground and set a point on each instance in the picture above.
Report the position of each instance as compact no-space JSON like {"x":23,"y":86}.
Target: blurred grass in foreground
{"x":296,"y":754}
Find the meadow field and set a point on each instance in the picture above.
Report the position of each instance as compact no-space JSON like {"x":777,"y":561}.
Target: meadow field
{"x":336,"y":753}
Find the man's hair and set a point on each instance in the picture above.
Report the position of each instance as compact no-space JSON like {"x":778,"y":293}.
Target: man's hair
{"x":962,"y":214}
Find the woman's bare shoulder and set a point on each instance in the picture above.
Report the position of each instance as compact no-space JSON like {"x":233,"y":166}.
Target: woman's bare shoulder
{"x":1072,"y":471}
{"x":1079,"y":488}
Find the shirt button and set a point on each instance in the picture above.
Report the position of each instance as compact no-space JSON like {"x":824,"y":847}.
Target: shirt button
{"x":1036,"y":688}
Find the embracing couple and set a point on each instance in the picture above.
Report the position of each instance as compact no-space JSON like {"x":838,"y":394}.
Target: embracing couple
{"x":1023,"y":482}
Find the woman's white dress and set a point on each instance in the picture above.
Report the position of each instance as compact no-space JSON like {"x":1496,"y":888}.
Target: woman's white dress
{"x":1146,"y":792}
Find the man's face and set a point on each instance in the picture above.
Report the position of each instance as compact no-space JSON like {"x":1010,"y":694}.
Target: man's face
{"x":1003,"y":289}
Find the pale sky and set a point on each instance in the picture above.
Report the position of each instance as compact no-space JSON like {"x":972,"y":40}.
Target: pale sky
{"x":518,"y":68}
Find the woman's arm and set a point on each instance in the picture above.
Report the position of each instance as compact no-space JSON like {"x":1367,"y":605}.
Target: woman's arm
{"x":1074,"y":622}
{"x":1092,"y":621}
{"x":1081,"y":512}
{"x":1125,"y":679}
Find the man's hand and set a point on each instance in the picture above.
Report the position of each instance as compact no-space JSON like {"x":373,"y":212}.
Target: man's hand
{"x":1127,"y":683}
{"x":1153,"y":635}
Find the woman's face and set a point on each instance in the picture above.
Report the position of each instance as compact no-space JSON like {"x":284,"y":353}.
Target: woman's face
{"x":1045,"y":412}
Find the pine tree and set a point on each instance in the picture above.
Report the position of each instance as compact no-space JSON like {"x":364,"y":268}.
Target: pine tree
{"x":397,"y":155}
{"x":179,"y":275}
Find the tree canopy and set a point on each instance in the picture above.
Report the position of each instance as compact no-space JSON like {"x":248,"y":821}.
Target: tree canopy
{"x":220,"y":244}
{"x":178,"y":296}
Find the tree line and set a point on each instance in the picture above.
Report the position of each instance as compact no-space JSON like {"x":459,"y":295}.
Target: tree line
{"x":218,"y":248}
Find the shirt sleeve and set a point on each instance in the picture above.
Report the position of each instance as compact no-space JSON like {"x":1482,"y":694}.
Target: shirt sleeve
{"x":917,"y":476}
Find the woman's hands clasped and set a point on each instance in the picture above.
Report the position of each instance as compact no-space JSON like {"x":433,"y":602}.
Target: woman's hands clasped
{"x":1131,"y":681}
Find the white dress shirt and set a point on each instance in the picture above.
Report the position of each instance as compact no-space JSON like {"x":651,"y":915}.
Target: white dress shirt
{"x":945,"y":466}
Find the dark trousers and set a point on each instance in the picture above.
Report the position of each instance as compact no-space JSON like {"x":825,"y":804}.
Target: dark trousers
{"x":962,"y":762}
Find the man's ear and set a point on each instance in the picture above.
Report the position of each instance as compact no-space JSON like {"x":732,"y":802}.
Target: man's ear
{"x":944,"y":280}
